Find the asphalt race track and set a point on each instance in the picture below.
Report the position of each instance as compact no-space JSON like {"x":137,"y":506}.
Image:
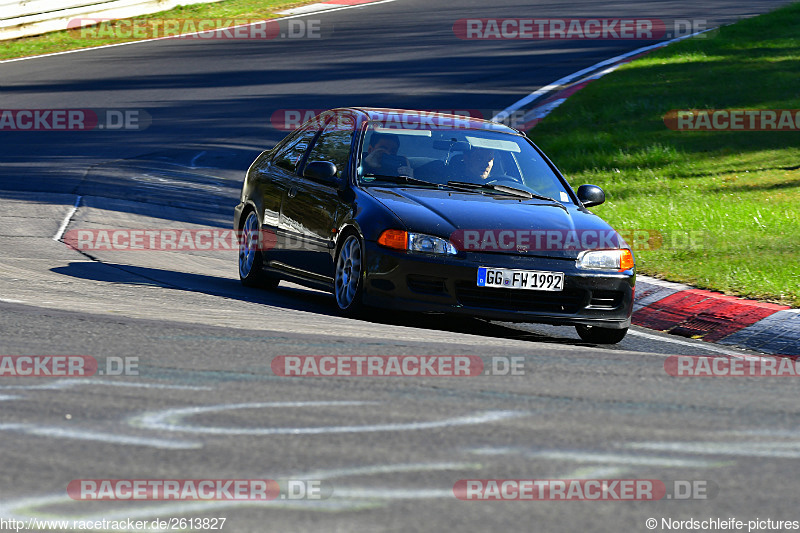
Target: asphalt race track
{"x":205,"y":402}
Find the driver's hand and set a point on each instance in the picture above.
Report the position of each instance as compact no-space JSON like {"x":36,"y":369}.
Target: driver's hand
{"x":373,"y":160}
{"x":405,"y":170}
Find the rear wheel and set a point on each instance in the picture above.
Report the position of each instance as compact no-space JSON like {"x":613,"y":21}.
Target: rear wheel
{"x":251,"y":257}
{"x":348,"y":276}
{"x":600,"y":335}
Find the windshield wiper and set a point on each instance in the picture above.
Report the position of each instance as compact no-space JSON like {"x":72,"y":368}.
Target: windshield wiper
{"x":417,"y":181}
{"x":401,"y":179}
{"x":513,"y":191}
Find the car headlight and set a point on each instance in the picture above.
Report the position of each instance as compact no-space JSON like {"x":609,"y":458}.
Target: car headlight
{"x":619,"y":260}
{"x":416,"y":242}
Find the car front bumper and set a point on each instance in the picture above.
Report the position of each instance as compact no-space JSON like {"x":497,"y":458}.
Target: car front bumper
{"x":448,"y":284}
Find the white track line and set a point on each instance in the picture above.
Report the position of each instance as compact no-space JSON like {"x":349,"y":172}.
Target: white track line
{"x":65,"y":223}
{"x":184,"y":35}
{"x":700,"y":345}
{"x":505,"y":113}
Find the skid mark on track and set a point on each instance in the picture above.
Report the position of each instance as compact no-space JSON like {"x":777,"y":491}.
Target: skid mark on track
{"x":173,"y":420}
{"x":605,"y":458}
{"x":76,"y":433}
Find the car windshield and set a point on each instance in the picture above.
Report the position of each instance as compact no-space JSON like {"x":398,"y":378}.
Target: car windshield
{"x":490,"y":162}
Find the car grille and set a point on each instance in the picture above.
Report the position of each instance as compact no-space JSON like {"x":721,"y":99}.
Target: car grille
{"x":568,"y":301}
{"x":426,"y":284}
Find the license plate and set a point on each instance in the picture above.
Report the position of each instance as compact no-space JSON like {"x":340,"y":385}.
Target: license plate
{"x":535,"y":280}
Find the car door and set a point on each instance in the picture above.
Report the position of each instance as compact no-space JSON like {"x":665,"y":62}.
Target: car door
{"x":275,"y":175}
{"x":311,"y":211}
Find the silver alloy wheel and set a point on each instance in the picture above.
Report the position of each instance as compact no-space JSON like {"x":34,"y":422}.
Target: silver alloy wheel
{"x":248,"y":245}
{"x":348,"y":272}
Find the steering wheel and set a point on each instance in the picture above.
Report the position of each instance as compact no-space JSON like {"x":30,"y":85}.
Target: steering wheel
{"x":504,"y":180}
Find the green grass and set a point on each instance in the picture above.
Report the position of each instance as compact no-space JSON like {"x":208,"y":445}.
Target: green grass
{"x":737,"y":194}
{"x":61,"y":41}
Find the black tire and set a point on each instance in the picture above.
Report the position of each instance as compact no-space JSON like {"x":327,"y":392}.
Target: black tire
{"x":348,"y":277}
{"x":251,"y":257}
{"x":598,"y":335}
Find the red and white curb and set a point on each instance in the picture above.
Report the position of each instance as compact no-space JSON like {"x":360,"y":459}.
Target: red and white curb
{"x":714,"y":317}
{"x":675,"y":308}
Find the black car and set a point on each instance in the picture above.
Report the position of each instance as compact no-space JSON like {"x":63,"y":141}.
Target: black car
{"x":433,"y":213}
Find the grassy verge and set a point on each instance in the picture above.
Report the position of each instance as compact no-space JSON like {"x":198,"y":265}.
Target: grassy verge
{"x":61,"y":41}
{"x":735,"y":193}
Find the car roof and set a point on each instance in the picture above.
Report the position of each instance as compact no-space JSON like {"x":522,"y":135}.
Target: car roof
{"x":466,"y":122}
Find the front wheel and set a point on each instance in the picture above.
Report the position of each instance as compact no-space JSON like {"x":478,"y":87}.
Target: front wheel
{"x":347,"y":279}
{"x":597,"y":335}
{"x":251,"y":257}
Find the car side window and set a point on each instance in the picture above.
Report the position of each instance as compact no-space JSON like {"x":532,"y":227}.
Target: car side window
{"x":334,"y":143}
{"x":291,"y":154}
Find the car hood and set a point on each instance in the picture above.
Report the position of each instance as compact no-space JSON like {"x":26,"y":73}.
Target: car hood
{"x":500,"y":224}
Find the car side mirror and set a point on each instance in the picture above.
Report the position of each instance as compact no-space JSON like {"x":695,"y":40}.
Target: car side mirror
{"x":321,"y":171}
{"x":590,"y":195}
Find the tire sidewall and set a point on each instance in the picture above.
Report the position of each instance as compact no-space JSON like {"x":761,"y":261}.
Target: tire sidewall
{"x":256,"y":277}
{"x":356,"y":305}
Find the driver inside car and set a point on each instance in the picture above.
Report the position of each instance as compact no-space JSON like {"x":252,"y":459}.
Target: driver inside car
{"x":475,"y":166}
{"x":382,"y":156}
